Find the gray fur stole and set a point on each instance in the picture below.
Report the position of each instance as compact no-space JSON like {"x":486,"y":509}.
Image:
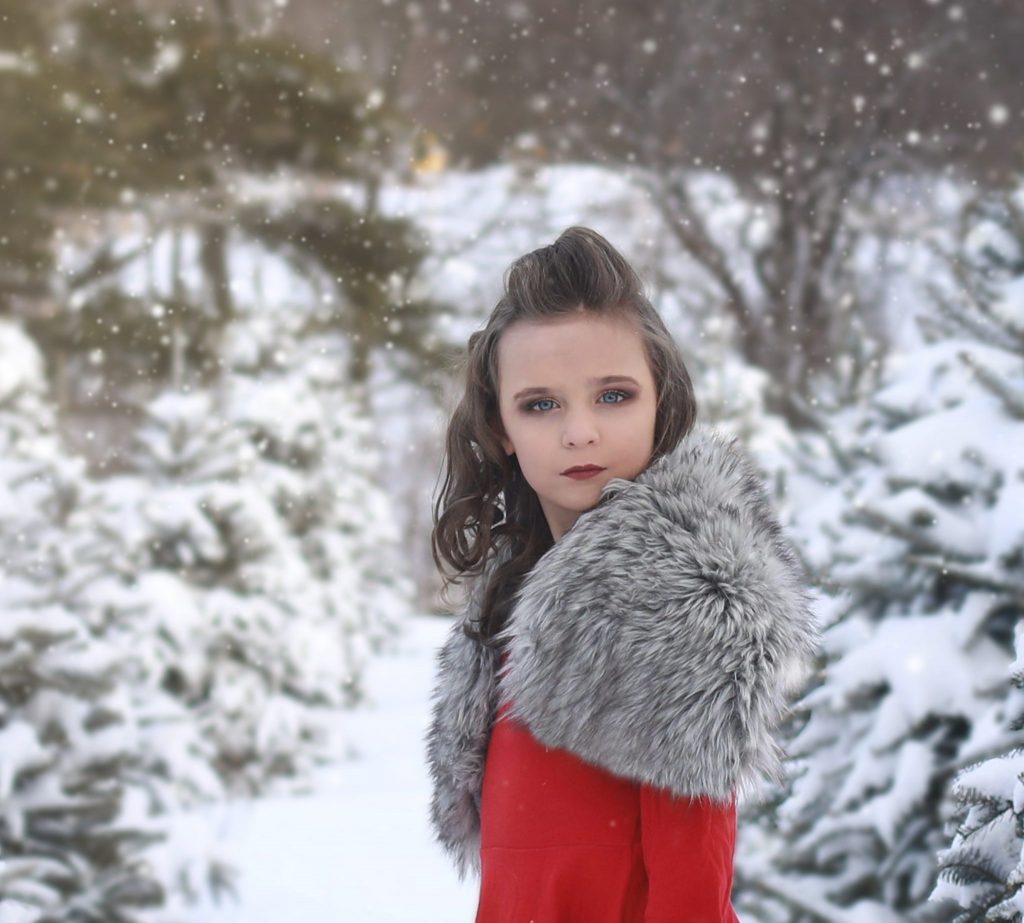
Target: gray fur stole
{"x":660,"y":638}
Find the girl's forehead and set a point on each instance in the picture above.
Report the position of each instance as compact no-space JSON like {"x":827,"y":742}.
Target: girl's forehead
{"x":527,"y":335}
{"x":569,"y":351}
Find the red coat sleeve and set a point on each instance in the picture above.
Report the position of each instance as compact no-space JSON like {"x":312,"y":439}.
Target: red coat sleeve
{"x":688,"y":846}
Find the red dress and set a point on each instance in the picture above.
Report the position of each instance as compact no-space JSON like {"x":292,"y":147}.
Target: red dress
{"x":564,"y":841}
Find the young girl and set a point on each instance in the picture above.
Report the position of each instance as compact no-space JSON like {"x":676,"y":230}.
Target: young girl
{"x":635,"y":620}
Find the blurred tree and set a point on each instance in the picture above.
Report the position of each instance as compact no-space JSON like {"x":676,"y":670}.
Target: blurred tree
{"x":806,"y":107}
{"x":981,"y":870}
{"x":372,"y":263}
{"x":920,"y":543}
{"x":47,"y":153}
{"x":257,"y":559}
{"x":82,"y":837}
{"x":183,"y":128}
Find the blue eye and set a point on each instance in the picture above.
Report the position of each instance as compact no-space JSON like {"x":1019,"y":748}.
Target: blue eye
{"x":623,"y":396}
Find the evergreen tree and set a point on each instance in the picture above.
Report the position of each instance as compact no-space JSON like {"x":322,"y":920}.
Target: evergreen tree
{"x":79,"y":834}
{"x":51,"y":158}
{"x":921,"y":544}
{"x":316,"y":455}
{"x":983,"y":869}
{"x":156,"y":139}
{"x":257,"y":557}
{"x":367,"y":271}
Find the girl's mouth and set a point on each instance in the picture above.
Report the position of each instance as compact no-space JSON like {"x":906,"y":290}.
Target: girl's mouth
{"x":581,"y":473}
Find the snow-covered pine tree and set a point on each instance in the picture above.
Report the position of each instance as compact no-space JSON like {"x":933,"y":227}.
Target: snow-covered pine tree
{"x":75,"y":831}
{"x":983,"y":869}
{"x":314,"y":453}
{"x":257,"y":561}
{"x":982,"y":872}
{"x":921,"y":542}
{"x":207,"y":566}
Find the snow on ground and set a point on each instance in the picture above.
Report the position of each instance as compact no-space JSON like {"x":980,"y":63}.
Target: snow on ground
{"x":360,"y":850}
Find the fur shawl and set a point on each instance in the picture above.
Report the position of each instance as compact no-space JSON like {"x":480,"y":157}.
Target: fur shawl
{"x":660,"y":638}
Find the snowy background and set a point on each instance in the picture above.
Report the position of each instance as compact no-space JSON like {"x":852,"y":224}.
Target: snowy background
{"x":242,"y":251}
{"x":336,"y":854}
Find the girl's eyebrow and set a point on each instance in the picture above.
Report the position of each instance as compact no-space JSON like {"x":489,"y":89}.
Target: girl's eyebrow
{"x":605,"y":380}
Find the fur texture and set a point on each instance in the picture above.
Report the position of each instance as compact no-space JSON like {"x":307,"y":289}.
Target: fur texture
{"x":660,"y":638}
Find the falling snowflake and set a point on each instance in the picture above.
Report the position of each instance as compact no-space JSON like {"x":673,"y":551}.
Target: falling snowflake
{"x":998,"y":114}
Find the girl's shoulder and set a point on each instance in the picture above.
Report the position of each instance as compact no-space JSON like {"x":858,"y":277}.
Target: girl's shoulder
{"x":653,"y":597}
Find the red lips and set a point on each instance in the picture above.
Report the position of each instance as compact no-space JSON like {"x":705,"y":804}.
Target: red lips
{"x":583,"y":469}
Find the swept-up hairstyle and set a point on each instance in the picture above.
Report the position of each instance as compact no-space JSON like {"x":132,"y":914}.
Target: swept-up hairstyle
{"x":485,"y":498}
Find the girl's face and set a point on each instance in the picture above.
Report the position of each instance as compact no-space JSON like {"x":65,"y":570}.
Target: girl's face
{"x":557,"y":412}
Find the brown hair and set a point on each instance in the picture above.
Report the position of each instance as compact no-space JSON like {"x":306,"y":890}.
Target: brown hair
{"x":485,"y":498}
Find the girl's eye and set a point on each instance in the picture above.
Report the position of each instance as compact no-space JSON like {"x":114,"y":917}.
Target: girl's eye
{"x":532,"y":406}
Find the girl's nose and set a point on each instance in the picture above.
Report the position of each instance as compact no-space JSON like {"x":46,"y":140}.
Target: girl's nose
{"x":579,"y":431}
